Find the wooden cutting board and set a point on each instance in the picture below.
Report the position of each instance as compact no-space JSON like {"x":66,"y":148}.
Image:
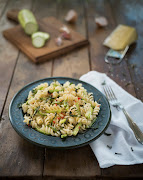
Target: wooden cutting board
{"x":50,"y":25}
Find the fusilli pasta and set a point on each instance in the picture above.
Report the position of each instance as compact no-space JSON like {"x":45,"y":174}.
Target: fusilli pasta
{"x":60,"y":110}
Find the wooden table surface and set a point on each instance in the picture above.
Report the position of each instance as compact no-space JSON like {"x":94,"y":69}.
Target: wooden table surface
{"x":19,"y":158}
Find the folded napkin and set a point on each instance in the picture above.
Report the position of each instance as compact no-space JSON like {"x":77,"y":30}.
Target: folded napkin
{"x":121,"y":147}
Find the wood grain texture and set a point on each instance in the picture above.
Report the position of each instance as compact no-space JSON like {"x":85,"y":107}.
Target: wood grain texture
{"x":12,"y":14}
{"x":76,"y":163}
{"x":118,"y":73}
{"x":29,"y":157}
{"x":8,"y":53}
{"x":20,"y":158}
{"x":3,"y":4}
{"x":132,"y":15}
{"x":50,"y":25}
{"x":76,"y":63}
{"x":123,"y":171}
{"x":134,"y":57}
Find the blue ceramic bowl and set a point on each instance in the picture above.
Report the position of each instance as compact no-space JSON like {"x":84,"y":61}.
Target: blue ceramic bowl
{"x":33,"y":136}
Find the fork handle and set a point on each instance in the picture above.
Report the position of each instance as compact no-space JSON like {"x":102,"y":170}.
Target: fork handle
{"x":134,"y":127}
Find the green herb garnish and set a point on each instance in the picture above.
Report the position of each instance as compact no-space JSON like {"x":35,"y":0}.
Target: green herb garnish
{"x":34,"y":91}
{"x":27,"y":102}
{"x":40,"y":88}
{"x":63,"y":135}
{"x":43,"y":114}
{"x":70,"y":113}
{"x":19,"y":105}
{"x":54,"y":129}
{"x":36,"y":110}
{"x":76,"y":89}
{"x":73,"y":115}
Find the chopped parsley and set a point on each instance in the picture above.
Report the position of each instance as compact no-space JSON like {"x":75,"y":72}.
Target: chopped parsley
{"x":19,"y":105}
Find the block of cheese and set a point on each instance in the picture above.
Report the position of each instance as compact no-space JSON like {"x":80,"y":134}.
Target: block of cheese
{"x":121,"y":37}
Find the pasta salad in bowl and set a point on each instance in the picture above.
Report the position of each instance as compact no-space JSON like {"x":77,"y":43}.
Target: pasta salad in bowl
{"x":60,"y":109}
{"x":59,"y":112}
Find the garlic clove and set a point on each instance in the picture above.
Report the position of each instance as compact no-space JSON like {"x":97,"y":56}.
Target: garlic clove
{"x":59,"y":41}
{"x":71,"y":16}
{"x":64,"y":29}
{"x":101,"y":21}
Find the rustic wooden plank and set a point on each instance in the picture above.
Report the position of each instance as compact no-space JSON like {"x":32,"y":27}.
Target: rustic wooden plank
{"x":73,"y":163}
{"x":132,"y":171}
{"x":23,"y":178}
{"x":19,"y":157}
{"x":119,"y":73}
{"x":8,"y":52}
{"x":81,"y":162}
{"x":12,"y":15}
{"x":75,"y":63}
{"x":131,"y":13}
{"x":4,"y":87}
{"x":3,"y":4}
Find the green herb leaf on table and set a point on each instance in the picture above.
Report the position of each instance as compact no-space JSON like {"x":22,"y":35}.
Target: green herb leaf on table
{"x":133,"y":66}
{"x":107,"y":134}
{"x":110,"y":147}
{"x":118,"y":153}
{"x":123,"y":74}
{"x":127,"y":84}
{"x":132,"y":149}
{"x":103,"y":83}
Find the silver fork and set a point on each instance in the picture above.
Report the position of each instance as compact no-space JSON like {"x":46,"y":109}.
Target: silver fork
{"x":114,"y":102}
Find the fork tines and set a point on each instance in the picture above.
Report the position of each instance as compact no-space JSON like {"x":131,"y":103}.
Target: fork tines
{"x":109,"y":93}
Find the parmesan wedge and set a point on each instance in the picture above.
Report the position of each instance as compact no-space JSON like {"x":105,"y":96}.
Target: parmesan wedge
{"x":121,"y":37}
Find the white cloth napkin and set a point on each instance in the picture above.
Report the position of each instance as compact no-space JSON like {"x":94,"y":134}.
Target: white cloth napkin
{"x":122,"y":139}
